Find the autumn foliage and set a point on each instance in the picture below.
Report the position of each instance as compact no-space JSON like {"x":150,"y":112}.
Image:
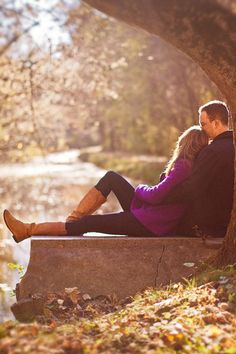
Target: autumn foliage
{"x":185,"y":317}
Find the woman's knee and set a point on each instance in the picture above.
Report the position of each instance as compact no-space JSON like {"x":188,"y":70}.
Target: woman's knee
{"x":109,"y":182}
{"x":111,"y":174}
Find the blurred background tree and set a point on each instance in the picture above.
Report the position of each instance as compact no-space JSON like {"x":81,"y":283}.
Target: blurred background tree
{"x":72,"y":77}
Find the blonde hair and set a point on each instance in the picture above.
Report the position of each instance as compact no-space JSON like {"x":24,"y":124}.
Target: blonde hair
{"x":188,"y":145}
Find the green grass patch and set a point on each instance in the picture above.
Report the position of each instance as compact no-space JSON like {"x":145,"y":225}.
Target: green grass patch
{"x":131,"y":166}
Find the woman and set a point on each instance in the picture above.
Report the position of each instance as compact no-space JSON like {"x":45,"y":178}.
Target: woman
{"x":144,"y":212}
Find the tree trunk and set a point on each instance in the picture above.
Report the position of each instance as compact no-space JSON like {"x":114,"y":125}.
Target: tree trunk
{"x":227,"y":253}
{"x":204,"y":30}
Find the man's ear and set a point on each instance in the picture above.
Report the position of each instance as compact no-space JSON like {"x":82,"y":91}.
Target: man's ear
{"x":217,"y":123}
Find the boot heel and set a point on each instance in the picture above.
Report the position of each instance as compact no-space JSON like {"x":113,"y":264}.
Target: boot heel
{"x":15,"y":238}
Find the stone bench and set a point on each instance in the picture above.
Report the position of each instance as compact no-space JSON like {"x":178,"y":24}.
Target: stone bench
{"x":110,"y":264}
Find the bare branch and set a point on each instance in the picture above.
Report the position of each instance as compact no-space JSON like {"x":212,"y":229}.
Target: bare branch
{"x":16,"y":37}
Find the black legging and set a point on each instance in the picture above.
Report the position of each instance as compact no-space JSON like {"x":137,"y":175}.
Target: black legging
{"x":123,"y":223}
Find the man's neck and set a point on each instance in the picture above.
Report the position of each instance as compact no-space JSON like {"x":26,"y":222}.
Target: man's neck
{"x":221,"y":130}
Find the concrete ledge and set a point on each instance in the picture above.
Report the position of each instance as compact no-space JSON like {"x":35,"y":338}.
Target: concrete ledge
{"x":110,"y":265}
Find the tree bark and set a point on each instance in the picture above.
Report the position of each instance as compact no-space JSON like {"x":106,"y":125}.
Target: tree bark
{"x":205,"y":31}
{"x":227,"y":253}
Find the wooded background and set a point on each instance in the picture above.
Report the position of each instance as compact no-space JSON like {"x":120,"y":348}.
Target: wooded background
{"x":72,"y":77}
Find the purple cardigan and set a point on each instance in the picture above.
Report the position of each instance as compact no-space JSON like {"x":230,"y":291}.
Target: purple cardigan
{"x":147,"y":204}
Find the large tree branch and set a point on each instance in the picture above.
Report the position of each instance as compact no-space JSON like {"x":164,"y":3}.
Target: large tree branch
{"x":205,"y":31}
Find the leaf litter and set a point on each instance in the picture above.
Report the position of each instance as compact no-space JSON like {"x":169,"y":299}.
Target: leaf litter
{"x":179,"y":318}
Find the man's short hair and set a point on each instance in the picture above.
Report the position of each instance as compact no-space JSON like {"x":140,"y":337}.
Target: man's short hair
{"x":216,"y":110}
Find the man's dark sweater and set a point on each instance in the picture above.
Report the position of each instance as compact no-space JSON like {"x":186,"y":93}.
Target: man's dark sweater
{"x":209,"y":190}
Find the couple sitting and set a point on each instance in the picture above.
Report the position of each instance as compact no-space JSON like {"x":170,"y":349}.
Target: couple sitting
{"x":196,"y":190}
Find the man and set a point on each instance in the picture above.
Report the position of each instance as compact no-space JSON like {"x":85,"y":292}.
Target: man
{"x":209,"y":190}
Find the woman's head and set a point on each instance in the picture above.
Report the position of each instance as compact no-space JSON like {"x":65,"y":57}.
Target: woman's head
{"x":188,"y":145}
{"x":190,"y":142}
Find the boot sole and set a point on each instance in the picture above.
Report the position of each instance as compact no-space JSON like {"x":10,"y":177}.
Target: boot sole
{"x":9,"y":227}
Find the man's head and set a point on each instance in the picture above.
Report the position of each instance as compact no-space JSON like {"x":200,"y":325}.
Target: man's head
{"x":214,"y":118}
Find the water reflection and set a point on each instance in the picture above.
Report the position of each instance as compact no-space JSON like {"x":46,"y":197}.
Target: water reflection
{"x":44,"y":189}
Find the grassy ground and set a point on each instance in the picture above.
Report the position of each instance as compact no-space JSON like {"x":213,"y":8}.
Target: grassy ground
{"x":141,"y":168}
{"x":197,"y":316}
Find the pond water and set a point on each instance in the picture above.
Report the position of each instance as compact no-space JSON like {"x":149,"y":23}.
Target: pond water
{"x":44,"y":189}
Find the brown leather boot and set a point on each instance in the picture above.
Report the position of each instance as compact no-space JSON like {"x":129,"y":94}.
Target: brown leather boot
{"x":88,"y":205}
{"x":21,"y":231}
